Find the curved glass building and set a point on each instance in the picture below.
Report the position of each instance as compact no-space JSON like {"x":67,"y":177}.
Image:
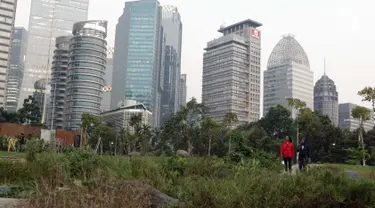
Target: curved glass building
{"x":288,"y":75}
{"x":326,"y":99}
{"x":59,"y":82}
{"x":86,"y":69}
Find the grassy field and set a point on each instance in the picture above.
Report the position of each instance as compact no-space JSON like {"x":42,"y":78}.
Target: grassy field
{"x":365,"y":171}
{"x":12,"y":154}
{"x":199,"y":182}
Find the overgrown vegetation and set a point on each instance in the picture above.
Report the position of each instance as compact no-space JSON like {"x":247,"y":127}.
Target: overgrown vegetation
{"x":84,"y":179}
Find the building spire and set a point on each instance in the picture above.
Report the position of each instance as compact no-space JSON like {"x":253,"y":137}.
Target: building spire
{"x":324,"y":65}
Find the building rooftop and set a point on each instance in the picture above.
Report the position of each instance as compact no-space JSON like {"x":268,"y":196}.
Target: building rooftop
{"x":286,"y":51}
{"x":249,"y":21}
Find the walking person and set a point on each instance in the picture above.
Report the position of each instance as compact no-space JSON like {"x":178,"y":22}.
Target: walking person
{"x":303,"y":154}
{"x":287,"y":153}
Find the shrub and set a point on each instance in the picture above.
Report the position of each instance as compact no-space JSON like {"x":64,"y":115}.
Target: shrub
{"x":33,"y":147}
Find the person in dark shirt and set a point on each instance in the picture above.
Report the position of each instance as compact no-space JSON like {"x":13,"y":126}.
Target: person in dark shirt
{"x":303,"y":154}
{"x":22,"y":142}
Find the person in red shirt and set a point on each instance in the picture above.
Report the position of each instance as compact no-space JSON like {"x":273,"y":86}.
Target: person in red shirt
{"x":287,"y":153}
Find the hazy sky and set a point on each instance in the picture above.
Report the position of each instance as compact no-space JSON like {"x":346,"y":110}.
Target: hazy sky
{"x":341,"y":30}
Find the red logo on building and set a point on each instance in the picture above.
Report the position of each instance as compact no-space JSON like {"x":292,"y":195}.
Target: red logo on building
{"x":255,"y":33}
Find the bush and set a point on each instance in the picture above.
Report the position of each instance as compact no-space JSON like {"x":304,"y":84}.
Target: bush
{"x":33,"y":147}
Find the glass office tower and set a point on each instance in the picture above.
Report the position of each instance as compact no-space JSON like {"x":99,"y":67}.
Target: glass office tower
{"x":16,"y":67}
{"x":86,"y":68}
{"x":137,"y":54}
{"x":48,"y":19}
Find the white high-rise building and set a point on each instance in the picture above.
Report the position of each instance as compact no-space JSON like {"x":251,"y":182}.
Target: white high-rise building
{"x":7,"y":16}
{"x":288,"y":75}
{"x":231,"y":73}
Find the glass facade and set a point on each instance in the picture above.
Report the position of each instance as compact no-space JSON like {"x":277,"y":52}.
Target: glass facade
{"x":172,"y":28}
{"x":16,"y":68}
{"x":137,"y":50}
{"x":7,"y":16}
{"x":48,"y":19}
{"x":106,"y":98}
{"x":59,"y":74}
{"x":86,"y":69}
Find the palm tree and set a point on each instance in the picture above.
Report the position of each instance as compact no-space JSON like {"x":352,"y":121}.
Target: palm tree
{"x":230,"y":120}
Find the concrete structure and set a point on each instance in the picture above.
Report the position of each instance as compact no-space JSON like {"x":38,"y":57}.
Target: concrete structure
{"x":7,"y":18}
{"x":183,"y":90}
{"x":106,"y":97}
{"x":346,"y":121}
{"x":88,"y":52}
{"x":288,"y":75}
{"x":136,"y":63}
{"x":326,"y":99}
{"x":48,"y":20}
{"x":16,"y":67}
{"x":120,"y":117}
{"x":231,"y":73}
{"x":57,"y":105}
{"x":172,"y":27}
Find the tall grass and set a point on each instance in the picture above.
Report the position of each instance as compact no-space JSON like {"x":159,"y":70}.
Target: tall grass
{"x":82,"y":179}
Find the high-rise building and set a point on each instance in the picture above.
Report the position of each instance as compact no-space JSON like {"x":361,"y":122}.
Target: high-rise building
{"x":106,"y":97}
{"x":346,"y":120}
{"x":288,"y":75}
{"x":48,"y":20}
{"x":326,"y":99}
{"x":136,"y":66}
{"x":57,"y":105}
{"x":172,"y":27}
{"x":231,"y":73}
{"x":183,"y":90}
{"x":7,"y":16}
{"x":16,"y":67}
{"x":86,"y":69}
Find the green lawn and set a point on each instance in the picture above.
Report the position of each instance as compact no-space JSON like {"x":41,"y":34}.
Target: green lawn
{"x":12,"y":154}
{"x":365,"y":171}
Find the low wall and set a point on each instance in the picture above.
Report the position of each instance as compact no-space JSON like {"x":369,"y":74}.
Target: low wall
{"x":9,"y":129}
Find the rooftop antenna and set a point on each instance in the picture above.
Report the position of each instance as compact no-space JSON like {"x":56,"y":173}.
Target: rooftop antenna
{"x":324,"y":65}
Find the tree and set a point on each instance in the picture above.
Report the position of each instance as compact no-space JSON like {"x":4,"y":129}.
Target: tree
{"x":89,"y":123}
{"x":277,"y":122}
{"x":30,"y":112}
{"x":362,"y":114}
{"x":297,"y":106}
{"x":368,"y":94}
{"x":209,"y":131}
{"x":230,"y":120}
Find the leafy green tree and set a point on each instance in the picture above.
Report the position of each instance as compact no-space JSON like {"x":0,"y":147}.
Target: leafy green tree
{"x":277,"y":122}
{"x":107,"y":135}
{"x":209,"y":131}
{"x":362,"y":114}
{"x":368,"y":94}
{"x":89,"y":123}
{"x":30,"y":112}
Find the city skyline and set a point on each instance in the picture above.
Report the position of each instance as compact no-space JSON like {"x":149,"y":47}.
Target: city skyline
{"x":319,"y":40}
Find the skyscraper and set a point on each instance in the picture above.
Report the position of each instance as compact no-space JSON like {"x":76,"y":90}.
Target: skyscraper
{"x":172,"y":27}
{"x":288,"y":75}
{"x":183,"y":90}
{"x":87,"y":62}
{"x":136,"y":66}
{"x":59,"y":80}
{"x":231,"y":73}
{"x":106,"y":97}
{"x":7,"y":16}
{"x":16,"y":67}
{"x":48,"y":20}
{"x":326,"y":99}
